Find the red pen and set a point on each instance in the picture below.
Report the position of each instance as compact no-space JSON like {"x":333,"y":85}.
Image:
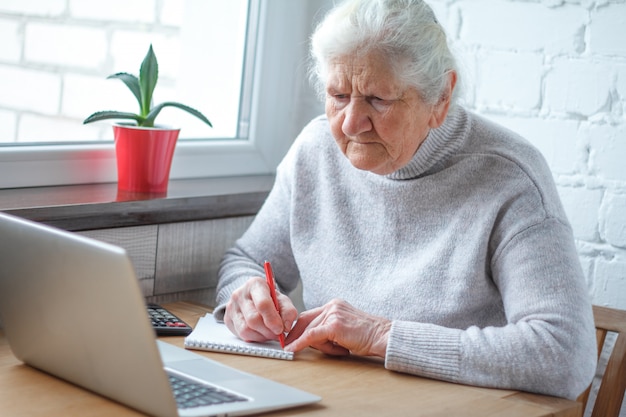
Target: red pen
{"x":269,"y":276}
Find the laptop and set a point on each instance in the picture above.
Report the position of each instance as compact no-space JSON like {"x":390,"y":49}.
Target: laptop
{"x":71,"y":306}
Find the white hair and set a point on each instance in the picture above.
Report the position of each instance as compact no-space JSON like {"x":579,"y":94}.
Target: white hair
{"x":405,"y":31}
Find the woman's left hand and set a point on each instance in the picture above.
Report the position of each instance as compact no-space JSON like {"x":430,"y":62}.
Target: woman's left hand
{"x":338,"y":328}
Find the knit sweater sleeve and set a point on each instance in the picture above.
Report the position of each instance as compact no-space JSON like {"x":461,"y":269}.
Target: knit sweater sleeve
{"x":267,"y":238}
{"x":547,"y":345}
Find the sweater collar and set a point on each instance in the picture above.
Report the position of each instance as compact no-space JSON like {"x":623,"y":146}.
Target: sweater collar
{"x":439,"y":145}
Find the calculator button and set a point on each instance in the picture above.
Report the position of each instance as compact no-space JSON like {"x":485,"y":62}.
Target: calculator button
{"x":166,"y":323}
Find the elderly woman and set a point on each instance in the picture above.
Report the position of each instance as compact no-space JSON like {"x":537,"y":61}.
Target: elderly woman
{"x":422,"y":233}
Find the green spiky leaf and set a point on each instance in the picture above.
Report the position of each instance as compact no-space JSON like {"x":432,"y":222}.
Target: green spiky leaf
{"x":131,"y":81}
{"x":149,"y":122}
{"x":142,"y":88}
{"x":148,"y":76}
{"x":111,"y":114}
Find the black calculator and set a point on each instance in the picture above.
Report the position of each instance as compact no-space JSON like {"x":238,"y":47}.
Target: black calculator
{"x":165,"y":323}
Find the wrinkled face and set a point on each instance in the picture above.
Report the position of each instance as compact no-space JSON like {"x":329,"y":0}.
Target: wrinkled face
{"x":377,"y":122}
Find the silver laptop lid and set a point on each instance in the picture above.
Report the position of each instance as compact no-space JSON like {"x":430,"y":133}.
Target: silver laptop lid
{"x":54,"y":288}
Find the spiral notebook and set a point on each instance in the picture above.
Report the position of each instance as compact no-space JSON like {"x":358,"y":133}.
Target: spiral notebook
{"x":209,"y":334}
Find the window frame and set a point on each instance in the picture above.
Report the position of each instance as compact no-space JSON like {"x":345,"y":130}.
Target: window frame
{"x":279,"y":67}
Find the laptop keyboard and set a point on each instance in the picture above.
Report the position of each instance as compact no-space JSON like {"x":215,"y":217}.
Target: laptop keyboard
{"x":190,"y":394}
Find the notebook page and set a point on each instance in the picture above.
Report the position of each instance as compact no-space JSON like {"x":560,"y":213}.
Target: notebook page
{"x":211,"y":335}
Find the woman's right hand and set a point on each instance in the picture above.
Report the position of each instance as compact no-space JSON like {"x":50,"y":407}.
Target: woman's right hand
{"x":251,"y":314}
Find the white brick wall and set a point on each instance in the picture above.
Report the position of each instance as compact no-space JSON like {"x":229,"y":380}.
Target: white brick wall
{"x":19,"y":85}
{"x":613,"y":227}
{"x":7,"y":125}
{"x":55,"y":56}
{"x":604,"y":39}
{"x":497,"y":68}
{"x":10,"y":47}
{"x":582,"y":206}
{"x":38,"y":8}
{"x":142,"y":11}
{"x":522,"y":25}
{"x":64,"y":45}
{"x":608,"y":143}
{"x":578,"y":86}
{"x":72,"y":39}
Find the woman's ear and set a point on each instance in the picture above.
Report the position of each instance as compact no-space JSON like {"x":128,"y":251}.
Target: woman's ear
{"x":440,"y":110}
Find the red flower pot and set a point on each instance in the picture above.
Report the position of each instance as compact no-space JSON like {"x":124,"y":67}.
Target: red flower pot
{"x":144,"y":157}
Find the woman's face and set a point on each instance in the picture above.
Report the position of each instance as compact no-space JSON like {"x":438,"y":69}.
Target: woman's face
{"x":377,"y":122}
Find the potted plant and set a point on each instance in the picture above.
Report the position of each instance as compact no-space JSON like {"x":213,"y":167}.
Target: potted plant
{"x":143,"y":150}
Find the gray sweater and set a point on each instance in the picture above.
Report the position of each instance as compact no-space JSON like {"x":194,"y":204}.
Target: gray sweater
{"x":467,"y":249}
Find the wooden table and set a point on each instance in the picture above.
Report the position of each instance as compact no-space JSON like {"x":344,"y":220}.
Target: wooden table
{"x":349,"y":386}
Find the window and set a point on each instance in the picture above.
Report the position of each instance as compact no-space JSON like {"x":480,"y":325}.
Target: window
{"x":261,"y":46}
